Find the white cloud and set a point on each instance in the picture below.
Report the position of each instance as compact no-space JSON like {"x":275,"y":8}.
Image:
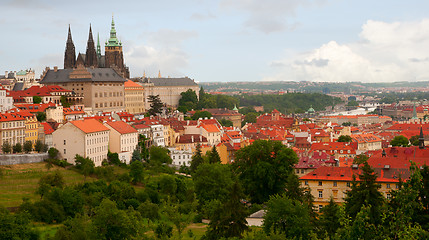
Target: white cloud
{"x":163,"y":52}
{"x":385,"y":52}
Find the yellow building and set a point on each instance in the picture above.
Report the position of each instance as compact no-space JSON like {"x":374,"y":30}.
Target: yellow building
{"x":31,"y":126}
{"x":134,"y":97}
{"x":325,"y":182}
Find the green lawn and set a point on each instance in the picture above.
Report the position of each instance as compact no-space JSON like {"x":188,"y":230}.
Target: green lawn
{"x":21,"y":180}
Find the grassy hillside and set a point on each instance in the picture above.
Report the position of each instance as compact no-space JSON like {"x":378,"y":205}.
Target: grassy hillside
{"x":19,"y":181}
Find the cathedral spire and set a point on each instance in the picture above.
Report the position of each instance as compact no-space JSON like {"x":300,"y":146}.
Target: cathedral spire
{"x":113,"y":40}
{"x":421,"y":139}
{"x":91,"y":55}
{"x":98,"y":47}
{"x":70,"y":54}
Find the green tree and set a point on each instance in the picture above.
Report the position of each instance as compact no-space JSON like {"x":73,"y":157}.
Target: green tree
{"x":346,"y":124}
{"x":41,"y":116}
{"x":197,"y":159}
{"x":414,"y":140}
{"x":365,"y":192}
{"x":64,"y":102}
{"x":263,"y":168}
{"x":251,"y":117}
{"x":28,"y":146}
{"x":330,"y":219}
{"x":212,"y":182}
{"x":201,"y":114}
{"x":136,"y":156}
{"x":229,"y":220}
{"x":6,"y":147}
{"x":163,"y":230}
{"x":38,"y":146}
{"x":84,"y":165}
{"x":360,"y":159}
{"x":37,"y":99}
{"x":188,"y":101}
{"x":213,"y":156}
{"x":155,"y":105}
{"x":136,"y":172}
{"x":344,"y":138}
{"x":287,"y":216}
{"x":53,"y":153}
{"x":16,"y":226}
{"x":399,"y":141}
{"x":111,"y":223}
{"x":79,"y":227}
{"x":226,"y":122}
{"x":17,"y":148}
{"x":159,"y":156}
{"x":48,"y":181}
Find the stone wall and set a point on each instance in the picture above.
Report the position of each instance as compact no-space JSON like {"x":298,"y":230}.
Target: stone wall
{"x":12,"y":159}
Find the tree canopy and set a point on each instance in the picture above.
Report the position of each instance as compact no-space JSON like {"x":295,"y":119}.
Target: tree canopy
{"x":263,"y":168}
{"x":399,"y":141}
{"x":155,"y":105}
{"x":344,"y":138}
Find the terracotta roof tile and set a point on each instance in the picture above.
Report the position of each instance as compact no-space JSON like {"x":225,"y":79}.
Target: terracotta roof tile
{"x":89,"y":125}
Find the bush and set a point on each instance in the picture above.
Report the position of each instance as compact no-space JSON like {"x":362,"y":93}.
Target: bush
{"x":6,"y":147}
{"x":53,"y":153}
{"x":17,"y":148}
{"x":28,"y":146}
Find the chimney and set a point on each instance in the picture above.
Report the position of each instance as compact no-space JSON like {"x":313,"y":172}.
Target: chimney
{"x":55,"y":68}
{"x":192,"y":138}
{"x":5,"y":74}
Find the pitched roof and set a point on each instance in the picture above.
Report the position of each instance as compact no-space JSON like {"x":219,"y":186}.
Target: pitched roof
{"x":47,"y":128}
{"x":121,"y":127}
{"x":130,"y":83}
{"x":93,"y":75}
{"x":89,"y":125}
{"x":184,"y":81}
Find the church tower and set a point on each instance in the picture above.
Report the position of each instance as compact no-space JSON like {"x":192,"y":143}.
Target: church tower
{"x":70,"y":54}
{"x":91,"y":55}
{"x":114,"y":57}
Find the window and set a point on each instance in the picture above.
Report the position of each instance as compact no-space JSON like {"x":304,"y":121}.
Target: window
{"x":388,"y":185}
{"x":320,"y":208}
{"x":302,"y":170}
{"x":320,"y":194}
{"x":388,"y":196}
{"x":64,"y":151}
{"x":320,"y":183}
{"x":348,"y":184}
{"x":397,"y":186}
{"x":306,"y":182}
{"x":335,"y":184}
{"x":64,"y":142}
{"x":297,"y":171}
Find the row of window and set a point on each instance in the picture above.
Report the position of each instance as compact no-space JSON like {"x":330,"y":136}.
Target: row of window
{"x":96,"y":140}
{"x":13,"y":124}
{"x":111,"y":104}
{"x":110,"y":94}
{"x":13,"y":133}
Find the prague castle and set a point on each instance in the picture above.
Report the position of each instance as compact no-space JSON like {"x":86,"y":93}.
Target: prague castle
{"x":99,"y":81}
{"x":113,"y":58}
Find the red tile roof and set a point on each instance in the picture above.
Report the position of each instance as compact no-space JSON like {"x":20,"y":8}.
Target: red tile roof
{"x":121,"y":127}
{"x":47,"y":128}
{"x":89,"y":125}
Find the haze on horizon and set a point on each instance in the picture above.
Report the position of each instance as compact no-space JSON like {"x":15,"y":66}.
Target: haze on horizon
{"x":226,"y":41}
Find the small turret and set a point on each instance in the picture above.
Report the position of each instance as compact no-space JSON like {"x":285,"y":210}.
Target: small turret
{"x":421,"y":139}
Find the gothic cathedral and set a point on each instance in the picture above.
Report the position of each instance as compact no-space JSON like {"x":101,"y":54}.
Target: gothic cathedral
{"x":113,"y":57}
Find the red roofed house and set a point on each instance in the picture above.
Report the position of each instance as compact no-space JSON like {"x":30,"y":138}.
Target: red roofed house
{"x":211,"y":132}
{"x":337,"y":149}
{"x":48,"y":130}
{"x":275,"y":118}
{"x":123,"y":139}
{"x":12,"y":128}
{"x":325,"y":182}
{"x":367,"y":142}
{"x":88,"y":138}
{"x":73,"y":113}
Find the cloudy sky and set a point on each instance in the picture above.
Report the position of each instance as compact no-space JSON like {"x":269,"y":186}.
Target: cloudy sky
{"x":230,"y":40}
